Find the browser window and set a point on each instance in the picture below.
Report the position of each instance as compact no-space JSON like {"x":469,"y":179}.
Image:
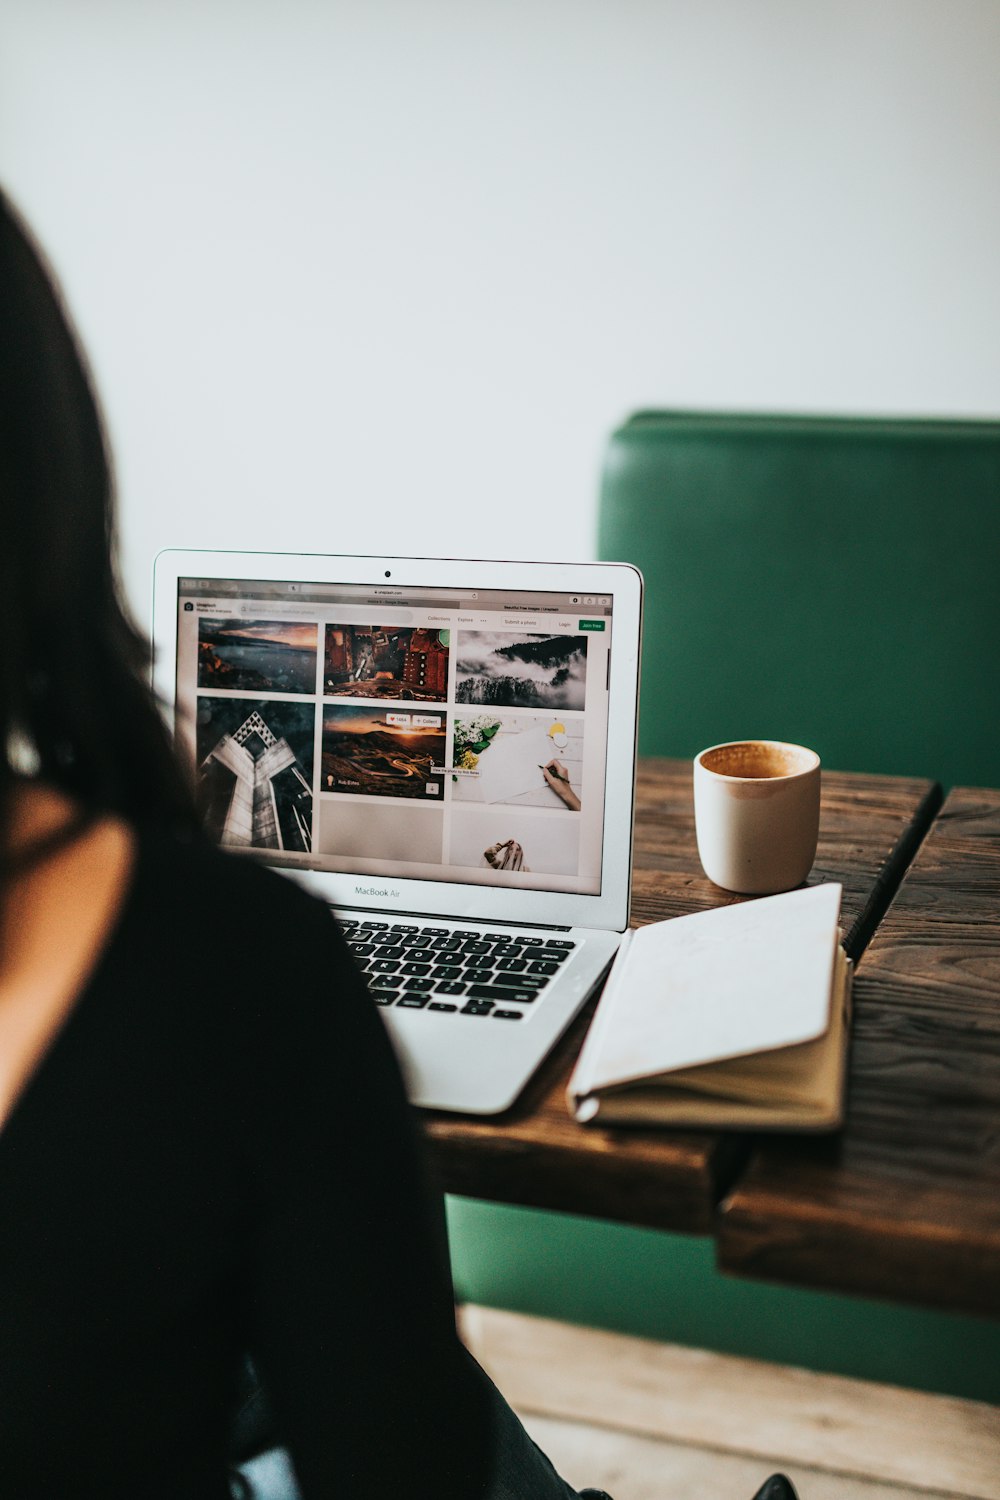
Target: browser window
{"x":432,"y":734}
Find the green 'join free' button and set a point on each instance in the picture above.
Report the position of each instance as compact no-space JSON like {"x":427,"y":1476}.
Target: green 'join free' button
{"x":591,"y":624}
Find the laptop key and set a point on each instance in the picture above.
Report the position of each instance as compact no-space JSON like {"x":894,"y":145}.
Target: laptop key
{"x":477,"y":1008}
{"x":501,"y":993}
{"x":415,"y":969}
{"x":411,"y":1002}
{"x":446,"y":971}
{"x":543,"y":968}
{"x":415,"y":940}
{"x":475,"y":946}
{"x":512,"y":965}
{"x":421,"y":986}
{"x":363,"y":950}
{"x":450,"y":987}
{"x":384,"y":997}
{"x":435,"y":931}
{"x":382,"y":965}
{"x":559,"y":943}
{"x":446,"y":944}
{"x":374,"y":926}
{"x":508,"y":950}
{"x":441,"y":1005}
{"x":508,"y":1015}
{"x":514,"y":981}
{"x":404,"y":927}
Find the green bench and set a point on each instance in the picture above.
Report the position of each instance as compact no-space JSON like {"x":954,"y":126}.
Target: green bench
{"x":831,"y":581}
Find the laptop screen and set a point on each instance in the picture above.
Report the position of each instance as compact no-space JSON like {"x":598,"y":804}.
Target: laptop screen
{"x":409,"y":731}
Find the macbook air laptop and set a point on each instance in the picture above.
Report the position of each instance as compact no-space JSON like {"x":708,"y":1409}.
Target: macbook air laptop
{"x":443,"y":750}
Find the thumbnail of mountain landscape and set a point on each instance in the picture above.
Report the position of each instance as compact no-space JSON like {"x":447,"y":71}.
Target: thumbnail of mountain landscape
{"x":521,"y":671}
{"x":374,"y":752}
{"x":257,"y":656}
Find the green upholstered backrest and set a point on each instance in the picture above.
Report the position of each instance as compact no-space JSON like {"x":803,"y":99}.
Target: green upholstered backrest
{"x":830,"y":581}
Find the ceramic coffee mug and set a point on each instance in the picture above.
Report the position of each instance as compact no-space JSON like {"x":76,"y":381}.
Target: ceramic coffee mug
{"x":756,"y":808}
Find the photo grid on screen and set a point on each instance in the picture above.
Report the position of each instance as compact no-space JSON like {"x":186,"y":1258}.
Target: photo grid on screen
{"x":436,"y":737}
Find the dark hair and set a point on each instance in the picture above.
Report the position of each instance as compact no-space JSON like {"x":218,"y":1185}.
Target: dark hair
{"x":74,"y":670}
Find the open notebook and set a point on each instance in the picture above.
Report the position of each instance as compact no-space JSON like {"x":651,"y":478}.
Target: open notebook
{"x":736,"y":1018}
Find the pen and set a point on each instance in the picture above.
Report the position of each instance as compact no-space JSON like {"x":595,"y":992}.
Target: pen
{"x":556,"y":774}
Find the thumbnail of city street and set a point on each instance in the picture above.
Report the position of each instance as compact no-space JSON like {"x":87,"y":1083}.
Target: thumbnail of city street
{"x":521,"y":671}
{"x":255,"y":771}
{"x":383,"y":661}
{"x":382,"y":752}
{"x":257,"y":656}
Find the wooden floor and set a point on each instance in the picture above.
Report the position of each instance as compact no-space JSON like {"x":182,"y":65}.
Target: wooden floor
{"x":649,"y":1421}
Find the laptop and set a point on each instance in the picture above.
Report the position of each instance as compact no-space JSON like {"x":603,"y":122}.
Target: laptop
{"x":444,"y":751}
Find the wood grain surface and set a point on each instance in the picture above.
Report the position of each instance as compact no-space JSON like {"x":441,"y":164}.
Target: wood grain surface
{"x":535,"y":1154}
{"x":906,"y":1201}
{"x":841,"y":1427}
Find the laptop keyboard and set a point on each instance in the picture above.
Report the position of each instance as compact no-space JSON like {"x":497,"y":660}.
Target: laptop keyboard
{"x":496,"y":974}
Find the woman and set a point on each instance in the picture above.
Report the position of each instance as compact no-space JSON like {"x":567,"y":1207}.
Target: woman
{"x":204,"y":1144}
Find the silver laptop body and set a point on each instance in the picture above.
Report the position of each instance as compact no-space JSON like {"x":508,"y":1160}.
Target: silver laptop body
{"x":431,"y":745}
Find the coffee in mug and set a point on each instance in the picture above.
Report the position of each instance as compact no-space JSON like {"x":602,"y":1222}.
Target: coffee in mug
{"x":756,"y":808}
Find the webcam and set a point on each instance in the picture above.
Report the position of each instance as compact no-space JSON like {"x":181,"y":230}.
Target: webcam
{"x":388,"y":574}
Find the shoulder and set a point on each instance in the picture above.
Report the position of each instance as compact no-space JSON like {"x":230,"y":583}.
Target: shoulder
{"x":228,"y":916}
{"x":189,"y":870}
{"x":250,"y":999}
{"x":241,"y":960}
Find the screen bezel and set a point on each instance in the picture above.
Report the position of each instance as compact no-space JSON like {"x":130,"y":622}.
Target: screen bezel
{"x":610,"y":908}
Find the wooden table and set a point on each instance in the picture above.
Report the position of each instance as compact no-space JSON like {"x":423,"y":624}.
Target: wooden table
{"x":534,"y":1154}
{"x":905,"y":1202}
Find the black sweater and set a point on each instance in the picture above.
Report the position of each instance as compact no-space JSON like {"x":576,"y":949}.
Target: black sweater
{"x":216,"y":1155}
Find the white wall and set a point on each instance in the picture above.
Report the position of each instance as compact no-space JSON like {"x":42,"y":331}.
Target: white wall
{"x":381,"y":275}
